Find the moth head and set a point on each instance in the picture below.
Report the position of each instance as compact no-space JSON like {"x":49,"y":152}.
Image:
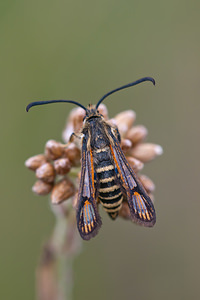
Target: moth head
{"x":92,"y":113}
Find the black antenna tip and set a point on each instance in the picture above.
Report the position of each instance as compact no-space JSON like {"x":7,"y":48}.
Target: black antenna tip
{"x":126,"y":86}
{"x":28,"y":107}
{"x":149,"y":79}
{"x":153,"y":81}
{"x":32,"y":104}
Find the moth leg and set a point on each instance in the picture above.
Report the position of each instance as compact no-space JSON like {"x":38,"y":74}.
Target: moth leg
{"x":73,"y":139}
{"x":76,"y":139}
{"x":75,"y":136}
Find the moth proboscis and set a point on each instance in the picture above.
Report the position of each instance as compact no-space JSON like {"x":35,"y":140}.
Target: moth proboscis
{"x":105,"y":173}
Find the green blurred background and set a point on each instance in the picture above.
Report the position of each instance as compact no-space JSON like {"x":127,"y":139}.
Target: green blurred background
{"x":80,"y":50}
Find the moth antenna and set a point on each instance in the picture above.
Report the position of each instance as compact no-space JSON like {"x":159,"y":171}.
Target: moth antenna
{"x":53,"y":101}
{"x":124,"y":87}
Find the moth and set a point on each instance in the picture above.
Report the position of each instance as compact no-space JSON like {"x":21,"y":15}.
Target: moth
{"x":106,"y":176}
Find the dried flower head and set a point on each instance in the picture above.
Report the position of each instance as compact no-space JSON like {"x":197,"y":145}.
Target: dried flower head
{"x":58,"y":169}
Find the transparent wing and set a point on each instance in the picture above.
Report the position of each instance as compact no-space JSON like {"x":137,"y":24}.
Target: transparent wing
{"x":88,"y":218}
{"x":140,"y":204}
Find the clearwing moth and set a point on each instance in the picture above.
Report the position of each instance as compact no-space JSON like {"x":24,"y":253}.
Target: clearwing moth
{"x":106,"y":176}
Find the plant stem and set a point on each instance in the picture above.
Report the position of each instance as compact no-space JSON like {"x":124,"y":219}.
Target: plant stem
{"x":55,"y":270}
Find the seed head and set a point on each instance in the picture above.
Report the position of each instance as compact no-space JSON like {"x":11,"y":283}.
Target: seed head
{"x":126,"y":145}
{"x":53,"y":150}
{"x":137,"y":134}
{"x":146,"y":151}
{"x":147,"y":183}
{"x":42,"y":188}
{"x":73,"y":153}
{"x":35,"y":162}
{"x":124,"y":121}
{"x":135,"y":164}
{"x":62,"y":190}
{"x":59,"y":159}
{"x":62,"y":165}
{"x":45,"y":172}
{"x":103,"y":111}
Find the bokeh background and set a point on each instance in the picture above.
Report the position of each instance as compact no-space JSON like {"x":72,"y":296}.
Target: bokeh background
{"x":80,"y":50}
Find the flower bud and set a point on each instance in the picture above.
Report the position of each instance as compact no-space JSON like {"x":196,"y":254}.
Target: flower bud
{"x":125,"y":211}
{"x":35,"y":162}
{"x":73,"y":154}
{"x":79,"y":177}
{"x":75,"y":200}
{"x":103,"y":111}
{"x":147,"y":183}
{"x":124,"y":121}
{"x":53,"y":149}
{"x":42,"y":188}
{"x":45,"y":172}
{"x":62,"y":190}
{"x":151,"y":197}
{"x":137,"y":134}
{"x":135,"y":164}
{"x":77,"y":119}
{"x":112,"y":122}
{"x":62,"y":166}
{"x":126,"y":145}
{"x":74,"y":123}
{"x":67,"y":132}
{"x":146,"y":152}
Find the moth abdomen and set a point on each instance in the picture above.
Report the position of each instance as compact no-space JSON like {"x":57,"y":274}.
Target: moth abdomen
{"x":110,"y":194}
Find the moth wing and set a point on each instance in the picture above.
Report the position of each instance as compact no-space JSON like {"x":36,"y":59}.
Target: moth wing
{"x":88,"y":218}
{"x":141,"y":207}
